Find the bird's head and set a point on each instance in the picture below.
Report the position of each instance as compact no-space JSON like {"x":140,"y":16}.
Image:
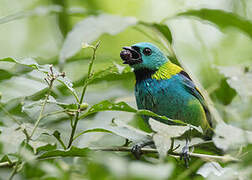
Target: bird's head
{"x":143,"y":56}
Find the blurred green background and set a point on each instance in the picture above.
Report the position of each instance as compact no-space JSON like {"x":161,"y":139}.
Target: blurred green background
{"x":218,"y":57}
{"x":197,"y":44}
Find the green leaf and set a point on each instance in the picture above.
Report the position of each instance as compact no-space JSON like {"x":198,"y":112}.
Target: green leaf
{"x":11,"y":137}
{"x":225,"y":93}
{"x":152,"y":114}
{"x":32,"y":108}
{"x":96,"y":129}
{"x":90,"y":29}
{"x":210,"y":168}
{"x":110,"y":73}
{"x":72,"y":152}
{"x":247,"y":156}
{"x":162,"y":28}
{"x":122,"y":106}
{"x":53,"y":110}
{"x":47,"y":147}
{"x":22,"y":86}
{"x":29,"y":62}
{"x":66,"y":106}
{"x":120,"y":129}
{"x":163,"y":135}
{"x":109,"y":106}
{"x":239,"y":79}
{"x":4,"y":74}
{"x":229,"y":137}
{"x":39,"y":11}
{"x":222,"y":19}
{"x":139,"y":123}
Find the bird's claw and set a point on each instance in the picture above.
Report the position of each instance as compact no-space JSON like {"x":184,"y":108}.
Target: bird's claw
{"x":185,"y":155}
{"x":136,"y":151}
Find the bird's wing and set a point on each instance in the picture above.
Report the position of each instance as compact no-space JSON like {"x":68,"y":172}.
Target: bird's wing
{"x":192,"y":89}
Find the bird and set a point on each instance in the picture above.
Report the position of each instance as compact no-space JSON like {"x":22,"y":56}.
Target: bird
{"x":167,"y":90}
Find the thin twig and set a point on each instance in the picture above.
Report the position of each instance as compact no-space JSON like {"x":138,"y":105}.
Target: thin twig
{"x":50,"y":80}
{"x":6,"y":164}
{"x":62,"y":143}
{"x":83,"y":94}
{"x":14,"y":172}
{"x":42,"y":109}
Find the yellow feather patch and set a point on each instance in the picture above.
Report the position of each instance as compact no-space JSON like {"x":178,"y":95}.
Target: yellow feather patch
{"x":166,"y":71}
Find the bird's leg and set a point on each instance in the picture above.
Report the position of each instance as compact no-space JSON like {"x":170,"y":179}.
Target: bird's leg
{"x":185,"y":153}
{"x":136,"y":149}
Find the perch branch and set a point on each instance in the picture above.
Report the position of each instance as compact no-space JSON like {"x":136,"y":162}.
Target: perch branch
{"x":206,"y":157}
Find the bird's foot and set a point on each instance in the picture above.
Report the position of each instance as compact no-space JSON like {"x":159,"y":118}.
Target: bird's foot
{"x":137,"y":149}
{"x":185,"y":155}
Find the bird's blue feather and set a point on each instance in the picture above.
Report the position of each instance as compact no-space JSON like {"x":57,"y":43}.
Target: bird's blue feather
{"x":170,"y":98}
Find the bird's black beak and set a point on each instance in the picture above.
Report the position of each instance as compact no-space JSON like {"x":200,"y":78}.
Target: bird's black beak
{"x":131,"y":55}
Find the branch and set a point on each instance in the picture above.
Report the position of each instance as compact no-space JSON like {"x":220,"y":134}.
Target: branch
{"x":51,"y":78}
{"x":205,"y":157}
{"x":7,"y":164}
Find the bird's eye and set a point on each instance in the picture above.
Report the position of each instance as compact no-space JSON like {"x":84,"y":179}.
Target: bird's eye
{"x":147,"y":51}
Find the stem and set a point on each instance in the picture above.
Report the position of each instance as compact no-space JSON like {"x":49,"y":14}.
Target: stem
{"x":83,"y":94}
{"x":7,"y":164}
{"x":14,"y":172}
{"x":43,"y":108}
{"x":206,"y":157}
{"x":61,"y":143}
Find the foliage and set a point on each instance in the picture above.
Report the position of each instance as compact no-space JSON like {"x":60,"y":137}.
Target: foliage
{"x":73,"y":115}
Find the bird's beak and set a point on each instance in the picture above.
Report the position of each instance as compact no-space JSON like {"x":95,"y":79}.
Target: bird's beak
{"x":130,"y":56}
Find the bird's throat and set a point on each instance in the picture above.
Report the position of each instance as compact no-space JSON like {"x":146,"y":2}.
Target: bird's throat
{"x":142,"y":74}
{"x":166,"y":71}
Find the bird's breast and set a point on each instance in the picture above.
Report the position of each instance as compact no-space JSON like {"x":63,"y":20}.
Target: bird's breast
{"x":151,"y":93}
{"x":164,"y":97}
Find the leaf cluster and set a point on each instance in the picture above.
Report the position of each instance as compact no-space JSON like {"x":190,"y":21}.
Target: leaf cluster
{"x":54,"y":125}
